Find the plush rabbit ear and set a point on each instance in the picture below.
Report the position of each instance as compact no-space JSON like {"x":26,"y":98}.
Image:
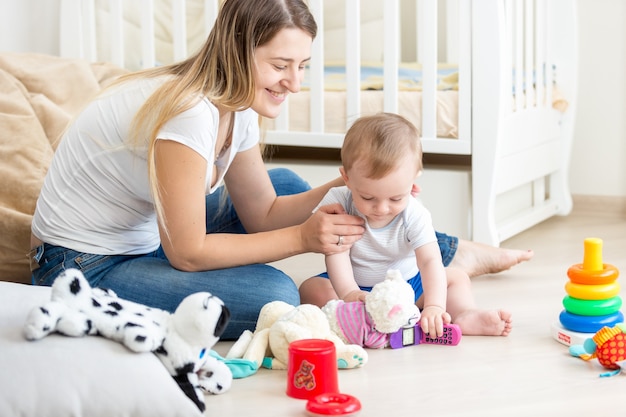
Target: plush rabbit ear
{"x":393,"y":274}
{"x":396,"y":309}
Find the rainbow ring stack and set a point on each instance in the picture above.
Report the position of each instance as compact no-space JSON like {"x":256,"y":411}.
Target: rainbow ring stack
{"x":592,"y":299}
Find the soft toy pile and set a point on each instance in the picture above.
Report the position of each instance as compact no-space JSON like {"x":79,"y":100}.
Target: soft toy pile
{"x":350,"y":326}
{"x":388,"y":307}
{"x":182,"y":340}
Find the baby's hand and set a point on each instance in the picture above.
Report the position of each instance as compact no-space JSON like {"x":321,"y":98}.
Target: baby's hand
{"x":433,"y":319}
{"x":356,"y":295}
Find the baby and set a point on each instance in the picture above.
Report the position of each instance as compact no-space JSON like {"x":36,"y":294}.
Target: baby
{"x":382,"y":157}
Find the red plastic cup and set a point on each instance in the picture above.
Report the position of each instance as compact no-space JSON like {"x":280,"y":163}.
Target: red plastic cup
{"x":312,"y":368}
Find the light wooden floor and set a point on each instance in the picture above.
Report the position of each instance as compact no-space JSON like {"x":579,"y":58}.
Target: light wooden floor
{"x":525,"y":374}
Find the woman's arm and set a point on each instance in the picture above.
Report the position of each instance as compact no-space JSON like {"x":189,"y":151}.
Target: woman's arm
{"x":181,"y":173}
{"x":259,"y":209}
{"x":257,"y":205}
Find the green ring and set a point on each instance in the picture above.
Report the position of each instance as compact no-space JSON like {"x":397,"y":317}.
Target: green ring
{"x":592,"y":307}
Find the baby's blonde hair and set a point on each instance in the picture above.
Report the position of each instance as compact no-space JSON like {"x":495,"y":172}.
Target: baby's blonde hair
{"x":381,"y":141}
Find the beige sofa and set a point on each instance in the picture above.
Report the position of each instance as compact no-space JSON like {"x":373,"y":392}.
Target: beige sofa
{"x":39,"y":94}
{"x":58,"y":375}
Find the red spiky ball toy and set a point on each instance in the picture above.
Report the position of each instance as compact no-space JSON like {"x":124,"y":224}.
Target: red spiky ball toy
{"x":608,"y":345}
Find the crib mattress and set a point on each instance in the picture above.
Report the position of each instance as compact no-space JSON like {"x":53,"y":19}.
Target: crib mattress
{"x":410,"y":80}
{"x":409,"y":97}
{"x":336,"y":118}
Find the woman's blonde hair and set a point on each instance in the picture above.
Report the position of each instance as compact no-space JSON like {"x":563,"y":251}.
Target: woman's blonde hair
{"x":381,"y":140}
{"x":222,"y":70}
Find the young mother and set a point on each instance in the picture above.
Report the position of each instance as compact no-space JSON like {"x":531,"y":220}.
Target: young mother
{"x":132,"y":197}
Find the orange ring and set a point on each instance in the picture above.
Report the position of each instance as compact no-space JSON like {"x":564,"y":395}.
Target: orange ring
{"x":578,"y":275}
{"x":333,"y":404}
{"x":592,"y":292}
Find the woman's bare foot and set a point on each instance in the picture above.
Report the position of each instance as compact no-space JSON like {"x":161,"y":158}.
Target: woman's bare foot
{"x":485,"y":322}
{"x":478,"y":259}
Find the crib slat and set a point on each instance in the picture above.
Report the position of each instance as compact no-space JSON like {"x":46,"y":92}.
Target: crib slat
{"x":210,"y":14}
{"x":428,"y":20}
{"x":549,"y":59}
{"x":529,"y":44}
{"x":464,"y":45}
{"x":540,"y":57}
{"x":117,"y":32}
{"x":419,"y":31}
{"x":179,"y":23}
{"x":316,"y":69}
{"x":89,"y":30}
{"x":507,"y":58}
{"x":452,"y":30}
{"x":77,"y":29}
{"x":391,"y":16}
{"x":70,"y":29}
{"x":518,"y":18}
{"x":353,"y":61}
{"x":147,"y":35}
{"x":281,"y":122}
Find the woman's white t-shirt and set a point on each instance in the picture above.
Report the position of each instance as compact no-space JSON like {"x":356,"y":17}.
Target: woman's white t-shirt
{"x":96,"y":195}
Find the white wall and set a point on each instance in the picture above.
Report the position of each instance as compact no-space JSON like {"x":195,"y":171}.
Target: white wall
{"x":598,"y":164}
{"x":29,"y":25}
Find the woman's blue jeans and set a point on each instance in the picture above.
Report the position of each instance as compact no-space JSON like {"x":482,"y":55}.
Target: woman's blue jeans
{"x":150,"y":279}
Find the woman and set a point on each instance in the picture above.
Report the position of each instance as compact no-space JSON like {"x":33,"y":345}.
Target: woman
{"x":132,"y":198}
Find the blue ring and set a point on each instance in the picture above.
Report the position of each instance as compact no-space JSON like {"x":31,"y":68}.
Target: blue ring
{"x":589,"y":324}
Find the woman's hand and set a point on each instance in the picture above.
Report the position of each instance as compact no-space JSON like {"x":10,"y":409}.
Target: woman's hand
{"x":432,"y":320}
{"x":330,"y":230}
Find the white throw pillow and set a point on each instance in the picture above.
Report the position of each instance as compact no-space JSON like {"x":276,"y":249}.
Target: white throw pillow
{"x":66,"y":376}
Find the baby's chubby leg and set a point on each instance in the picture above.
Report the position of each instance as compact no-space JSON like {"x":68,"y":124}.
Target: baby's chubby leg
{"x":464,"y":312}
{"x":317,"y":291}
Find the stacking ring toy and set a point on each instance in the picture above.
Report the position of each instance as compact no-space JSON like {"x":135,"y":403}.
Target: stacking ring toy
{"x":589,"y":324}
{"x":592,"y":307}
{"x":333,"y":404}
{"x":592,"y":292}
{"x":578,"y":275}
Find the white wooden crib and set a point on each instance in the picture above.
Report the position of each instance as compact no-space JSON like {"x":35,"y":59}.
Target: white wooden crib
{"x":507,"y":101}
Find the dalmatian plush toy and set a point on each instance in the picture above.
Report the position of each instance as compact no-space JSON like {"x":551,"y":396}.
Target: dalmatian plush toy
{"x":182,"y":340}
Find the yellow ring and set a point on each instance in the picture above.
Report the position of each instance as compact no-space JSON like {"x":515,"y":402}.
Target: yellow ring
{"x":578,"y":275}
{"x":592,"y":292}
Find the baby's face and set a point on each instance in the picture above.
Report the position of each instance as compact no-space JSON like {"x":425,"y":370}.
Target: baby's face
{"x":381,"y":200}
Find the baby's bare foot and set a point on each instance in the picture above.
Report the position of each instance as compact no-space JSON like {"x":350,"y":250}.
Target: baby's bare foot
{"x":485,"y":322}
{"x":479,"y":259}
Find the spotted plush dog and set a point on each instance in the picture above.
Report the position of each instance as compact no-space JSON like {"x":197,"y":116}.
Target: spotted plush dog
{"x":181,"y":340}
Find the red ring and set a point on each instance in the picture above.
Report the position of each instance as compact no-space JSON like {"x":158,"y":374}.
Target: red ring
{"x":578,"y":275}
{"x":333,"y":404}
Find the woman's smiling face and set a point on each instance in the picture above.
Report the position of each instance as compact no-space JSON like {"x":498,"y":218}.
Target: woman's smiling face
{"x":279,"y":69}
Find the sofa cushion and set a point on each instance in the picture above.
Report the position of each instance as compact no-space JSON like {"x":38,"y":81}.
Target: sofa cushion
{"x":88,"y":376}
{"x":39,"y":94}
